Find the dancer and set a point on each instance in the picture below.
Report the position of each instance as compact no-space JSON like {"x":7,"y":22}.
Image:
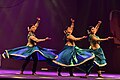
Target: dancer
{"x":31,"y":51}
{"x":94,"y":40}
{"x":71,"y":55}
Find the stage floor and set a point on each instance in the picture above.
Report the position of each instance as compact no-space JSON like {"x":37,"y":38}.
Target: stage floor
{"x":44,"y":75}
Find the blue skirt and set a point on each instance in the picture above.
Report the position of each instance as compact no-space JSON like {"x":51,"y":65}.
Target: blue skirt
{"x":73,"y":56}
{"x":21,"y":53}
{"x":100,"y":59}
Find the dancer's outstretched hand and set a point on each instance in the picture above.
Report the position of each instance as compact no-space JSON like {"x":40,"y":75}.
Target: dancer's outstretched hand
{"x":110,"y":38}
{"x":84,"y":37}
{"x":47,"y":38}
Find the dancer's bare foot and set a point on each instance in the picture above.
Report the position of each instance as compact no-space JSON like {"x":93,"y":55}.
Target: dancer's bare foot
{"x":59,"y":74}
{"x":21,"y":72}
{"x":100,"y":74}
{"x":34,"y":73}
{"x":86,"y":76}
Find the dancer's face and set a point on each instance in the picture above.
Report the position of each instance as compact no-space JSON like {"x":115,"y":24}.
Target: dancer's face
{"x":93,"y":30}
{"x":69,"y":30}
{"x":33,"y":28}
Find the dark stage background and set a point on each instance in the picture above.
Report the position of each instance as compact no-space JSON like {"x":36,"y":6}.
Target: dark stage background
{"x":16,"y":15}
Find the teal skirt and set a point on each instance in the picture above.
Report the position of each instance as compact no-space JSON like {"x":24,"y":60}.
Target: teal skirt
{"x":73,"y":56}
{"x":100,"y":59}
{"x":21,"y":53}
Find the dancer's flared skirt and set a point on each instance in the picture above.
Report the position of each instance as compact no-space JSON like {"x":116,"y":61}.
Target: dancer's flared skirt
{"x":21,"y":53}
{"x":100,"y":59}
{"x":73,"y":56}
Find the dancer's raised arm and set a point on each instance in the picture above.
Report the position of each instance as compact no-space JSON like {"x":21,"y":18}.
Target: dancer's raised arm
{"x":37,"y":22}
{"x":98,"y":25}
{"x":72,"y":24}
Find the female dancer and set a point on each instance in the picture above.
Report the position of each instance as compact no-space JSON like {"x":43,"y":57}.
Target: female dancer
{"x":72,"y":55}
{"x":31,"y":51}
{"x":94,"y":40}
